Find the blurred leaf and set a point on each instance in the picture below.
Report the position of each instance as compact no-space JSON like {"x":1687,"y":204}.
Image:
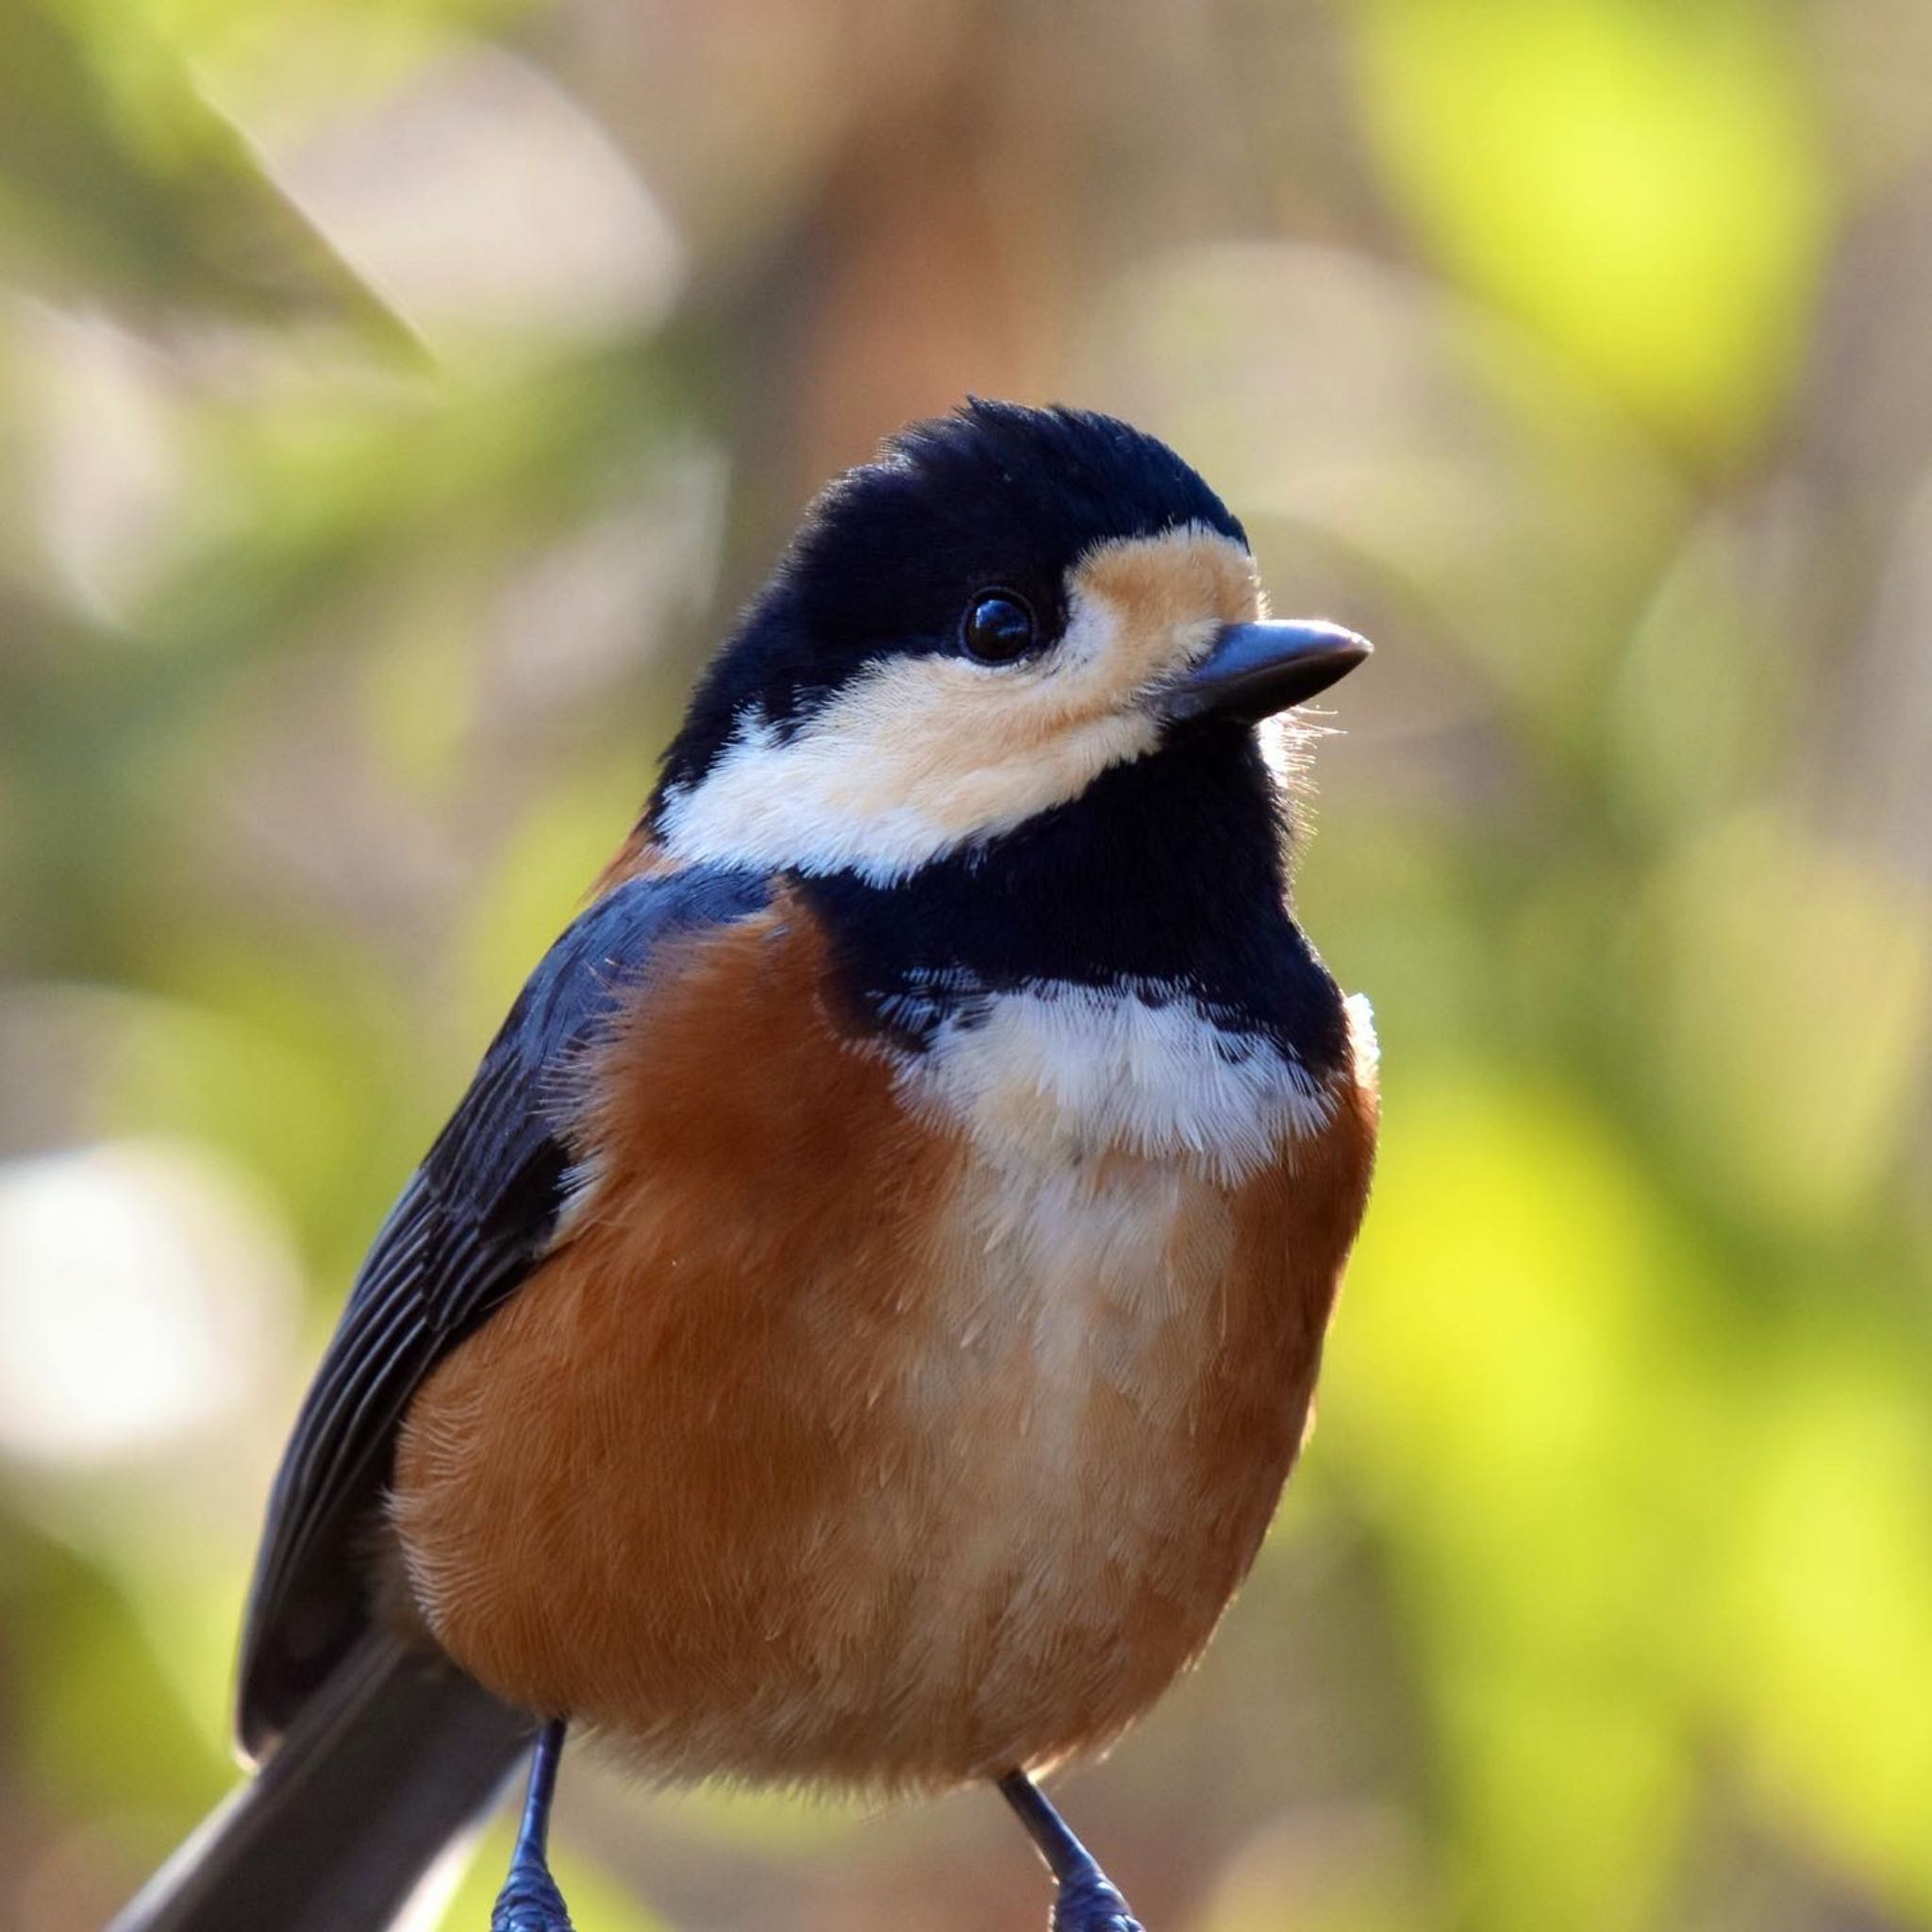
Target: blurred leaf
{"x":1498,"y":1374}
{"x":1643,"y":182}
{"x":84,"y":1662}
{"x":1705,"y":692}
{"x":117,"y":182}
{"x":1830,"y":1608}
{"x":272,"y":1069}
{"x":1756,"y":934}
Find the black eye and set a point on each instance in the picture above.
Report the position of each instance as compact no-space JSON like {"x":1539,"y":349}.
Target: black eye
{"x":998,"y":628}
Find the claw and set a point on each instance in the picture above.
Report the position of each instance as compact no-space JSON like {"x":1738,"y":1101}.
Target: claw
{"x":1093,"y":1906}
{"x":530,"y":1901}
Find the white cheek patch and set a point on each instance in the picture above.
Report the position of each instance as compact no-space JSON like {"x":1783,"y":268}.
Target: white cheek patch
{"x":899,"y":770}
{"x":924,"y":754}
{"x":1056,"y":1071}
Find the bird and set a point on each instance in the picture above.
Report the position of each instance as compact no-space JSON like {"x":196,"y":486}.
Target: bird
{"x":854,"y":1331}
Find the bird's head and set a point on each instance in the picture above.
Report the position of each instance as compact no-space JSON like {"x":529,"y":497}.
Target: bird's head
{"x":970,"y":633}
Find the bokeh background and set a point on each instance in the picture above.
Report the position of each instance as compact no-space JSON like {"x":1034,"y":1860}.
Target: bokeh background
{"x":395,"y":402}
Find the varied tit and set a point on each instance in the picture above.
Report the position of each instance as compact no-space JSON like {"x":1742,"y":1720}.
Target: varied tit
{"x":856,"y":1327}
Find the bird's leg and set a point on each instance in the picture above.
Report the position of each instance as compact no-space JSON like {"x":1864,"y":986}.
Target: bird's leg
{"x":1088,"y":1901}
{"x":529,"y":1900}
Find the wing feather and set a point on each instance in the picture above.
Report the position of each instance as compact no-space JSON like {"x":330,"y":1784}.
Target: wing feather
{"x":474,"y":1219}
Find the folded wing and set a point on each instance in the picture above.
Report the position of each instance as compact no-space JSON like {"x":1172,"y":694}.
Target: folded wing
{"x":479,"y":1214}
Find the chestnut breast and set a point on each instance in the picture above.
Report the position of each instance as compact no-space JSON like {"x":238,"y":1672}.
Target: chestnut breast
{"x":883,"y":1418}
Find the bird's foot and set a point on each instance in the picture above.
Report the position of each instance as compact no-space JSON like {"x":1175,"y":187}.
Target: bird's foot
{"x":529,"y":1902}
{"x":1090,"y":1904}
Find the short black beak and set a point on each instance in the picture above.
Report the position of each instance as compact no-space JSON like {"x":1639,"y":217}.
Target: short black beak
{"x":1254,"y":669}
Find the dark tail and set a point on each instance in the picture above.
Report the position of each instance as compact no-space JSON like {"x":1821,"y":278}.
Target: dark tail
{"x":384,"y":1767}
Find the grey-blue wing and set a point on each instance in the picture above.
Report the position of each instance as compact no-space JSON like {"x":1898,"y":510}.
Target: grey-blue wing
{"x":474,"y":1219}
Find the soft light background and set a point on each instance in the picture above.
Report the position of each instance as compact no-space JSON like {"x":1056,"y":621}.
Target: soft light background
{"x":395,"y":401}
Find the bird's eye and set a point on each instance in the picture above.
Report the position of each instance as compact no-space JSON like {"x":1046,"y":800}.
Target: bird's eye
{"x":997,"y":628}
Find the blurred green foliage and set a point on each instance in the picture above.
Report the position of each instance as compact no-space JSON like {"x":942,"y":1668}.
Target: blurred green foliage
{"x":1642,"y":185}
{"x":397,"y":399}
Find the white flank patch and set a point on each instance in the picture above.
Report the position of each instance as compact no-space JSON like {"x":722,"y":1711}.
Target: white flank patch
{"x":1056,"y":1070}
{"x":1365,"y":1050}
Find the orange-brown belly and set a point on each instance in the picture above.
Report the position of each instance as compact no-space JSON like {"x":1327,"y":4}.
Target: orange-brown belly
{"x":830,"y":1449}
